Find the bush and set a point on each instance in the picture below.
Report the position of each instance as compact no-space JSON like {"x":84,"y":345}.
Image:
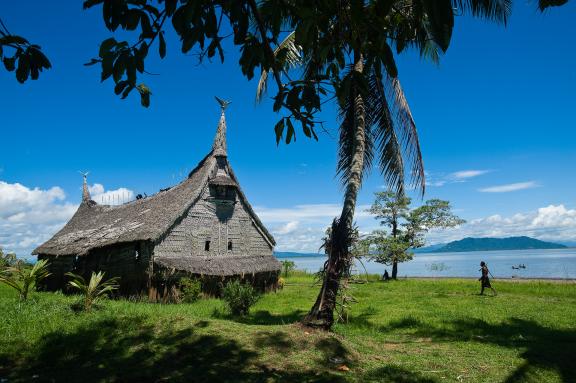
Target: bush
{"x":281,"y":283}
{"x":22,"y":278}
{"x":239,"y":297}
{"x":190,"y":289}
{"x":94,"y":290}
{"x":287,"y":267}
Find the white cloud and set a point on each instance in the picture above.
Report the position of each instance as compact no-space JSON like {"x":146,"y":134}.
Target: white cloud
{"x":300,"y":228}
{"x":290,"y":227}
{"x":441,"y":179}
{"x":466,"y":174}
{"x":510,"y":187}
{"x":552,"y":223}
{"x":317,"y":213}
{"x":110,"y":197}
{"x":30,"y":216}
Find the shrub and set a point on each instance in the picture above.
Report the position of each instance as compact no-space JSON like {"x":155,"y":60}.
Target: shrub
{"x":22,"y":278}
{"x":7,"y":260}
{"x":239,"y":297}
{"x":95,"y":289}
{"x":190,"y":289}
{"x":281,"y":283}
{"x":287,"y":267}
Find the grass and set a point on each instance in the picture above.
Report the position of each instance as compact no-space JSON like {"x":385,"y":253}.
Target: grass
{"x":404,"y":331}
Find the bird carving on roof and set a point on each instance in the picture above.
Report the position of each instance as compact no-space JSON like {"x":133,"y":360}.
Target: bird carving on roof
{"x":223,"y":103}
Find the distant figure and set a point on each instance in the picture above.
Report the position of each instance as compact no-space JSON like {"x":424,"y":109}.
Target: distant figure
{"x":386,"y":276}
{"x":484,"y":278}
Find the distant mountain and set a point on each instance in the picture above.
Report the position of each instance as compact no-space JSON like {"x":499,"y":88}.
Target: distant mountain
{"x":290,"y":254}
{"x":491,"y":244}
{"x":429,"y":249}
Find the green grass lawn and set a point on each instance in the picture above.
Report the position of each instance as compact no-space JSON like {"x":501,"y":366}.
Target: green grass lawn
{"x":404,"y":331}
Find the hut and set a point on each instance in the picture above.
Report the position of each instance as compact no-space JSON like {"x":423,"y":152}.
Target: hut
{"x":203,"y":227}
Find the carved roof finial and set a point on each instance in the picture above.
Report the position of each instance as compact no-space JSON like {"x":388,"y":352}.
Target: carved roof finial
{"x":223,"y":103}
{"x":219,"y":147}
{"x":85,"y":191}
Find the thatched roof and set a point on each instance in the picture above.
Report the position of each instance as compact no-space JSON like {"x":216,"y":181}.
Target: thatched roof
{"x":148,"y":219}
{"x":224,"y":265}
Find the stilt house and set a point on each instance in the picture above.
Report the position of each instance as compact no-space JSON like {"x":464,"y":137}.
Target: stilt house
{"x":203,"y":227}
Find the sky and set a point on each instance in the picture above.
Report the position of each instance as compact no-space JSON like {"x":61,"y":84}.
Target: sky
{"x":495,"y":119}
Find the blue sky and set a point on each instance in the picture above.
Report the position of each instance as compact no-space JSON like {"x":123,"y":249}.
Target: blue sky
{"x":497,"y":111}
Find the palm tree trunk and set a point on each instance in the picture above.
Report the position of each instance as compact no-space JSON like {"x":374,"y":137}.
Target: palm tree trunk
{"x":322,"y":313}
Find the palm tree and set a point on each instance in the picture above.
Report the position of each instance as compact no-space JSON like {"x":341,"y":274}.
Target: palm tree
{"x":94,"y":289}
{"x":23,"y":279}
{"x":376,"y":121}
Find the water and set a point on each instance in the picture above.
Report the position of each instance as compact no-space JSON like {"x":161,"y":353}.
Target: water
{"x":556,"y":263}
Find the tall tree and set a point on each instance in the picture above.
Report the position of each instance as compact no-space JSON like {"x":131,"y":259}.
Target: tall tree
{"x":405,"y":227}
{"x":392,"y":209}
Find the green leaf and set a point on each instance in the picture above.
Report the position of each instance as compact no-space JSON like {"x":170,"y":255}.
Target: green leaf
{"x":290,"y":132}
{"x":9,"y":63}
{"x":23,"y":70}
{"x":106,"y":46}
{"x":92,"y":62}
{"x":120,"y":87}
{"x":162,"y":44}
{"x":440,"y":21}
{"x":144,"y":95}
{"x":279,"y":130}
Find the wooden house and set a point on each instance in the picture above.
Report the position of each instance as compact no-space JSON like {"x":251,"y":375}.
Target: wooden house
{"x":203,"y":227}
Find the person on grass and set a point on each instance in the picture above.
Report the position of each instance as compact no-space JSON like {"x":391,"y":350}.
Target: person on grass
{"x":485,"y":281}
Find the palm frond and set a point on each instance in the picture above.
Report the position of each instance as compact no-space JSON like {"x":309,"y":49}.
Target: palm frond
{"x":291,"y":58}
{"x":382,"y":125}
{"x":495,"y":10}
{"x":406,"y":130}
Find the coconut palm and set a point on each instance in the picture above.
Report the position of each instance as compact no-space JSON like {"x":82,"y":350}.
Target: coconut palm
{"x":95,"y":289}
{"x":376,"y":121}
{"x":22,"y":279}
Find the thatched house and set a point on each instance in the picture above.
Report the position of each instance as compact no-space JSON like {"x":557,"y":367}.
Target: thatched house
{"x":202,"y":227}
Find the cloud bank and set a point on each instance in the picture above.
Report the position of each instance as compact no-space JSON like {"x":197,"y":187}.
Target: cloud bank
{"x":30,"y":216}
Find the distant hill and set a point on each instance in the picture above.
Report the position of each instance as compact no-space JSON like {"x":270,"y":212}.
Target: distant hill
{"x":290,"y":254}
{"x":492,"y":244}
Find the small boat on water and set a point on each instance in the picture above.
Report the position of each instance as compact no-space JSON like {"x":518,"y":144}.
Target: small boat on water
{"x":522,"y":266}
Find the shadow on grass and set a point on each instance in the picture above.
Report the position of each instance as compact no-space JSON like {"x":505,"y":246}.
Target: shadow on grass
{"x":391,"y":374}
{"x":261,"y":317}
{"x":543,"y":348}
{"x":131,"y":350}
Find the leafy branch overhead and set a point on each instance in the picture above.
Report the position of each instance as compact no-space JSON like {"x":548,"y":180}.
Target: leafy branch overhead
{"x":18,"y":54}
{"x":326,"y":32}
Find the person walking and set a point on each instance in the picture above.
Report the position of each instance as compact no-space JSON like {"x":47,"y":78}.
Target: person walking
{"x":485,"y":281}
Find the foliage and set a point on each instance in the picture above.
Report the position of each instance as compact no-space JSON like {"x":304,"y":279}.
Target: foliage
{"x":191,"y":289}
{"x":287,"y":267}
{"x":7,"y":260}
{"x":239,"y":297}
{"x":27,"y":59}
{"x":407,"y":226}
{"x":22,"y":279}
{"x":94,"y":290}
{"x":281,"y":283}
